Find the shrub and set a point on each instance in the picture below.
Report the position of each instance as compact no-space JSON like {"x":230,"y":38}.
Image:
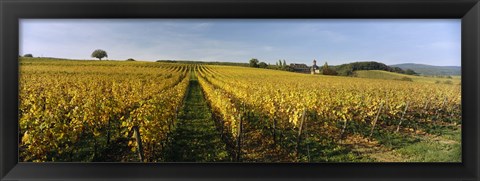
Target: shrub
{"x":262,"y":65}
{"x":406,"y":79}
{"x":410,"y":72}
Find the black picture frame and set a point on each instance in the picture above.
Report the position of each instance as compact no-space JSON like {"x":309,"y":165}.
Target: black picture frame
{"x":13,"y":10}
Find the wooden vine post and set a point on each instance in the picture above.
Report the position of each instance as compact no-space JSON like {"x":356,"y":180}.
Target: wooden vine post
{"x":305,"y":130}
{"x":274,"y":124}
{"x":138,"y":139}
{"x":426,"y":104}
{"x":376,"y":119}
{"x":437,"y":112}
{"x":342,"y":134}
{"x":401,"y":118}
{"x":239,"y":136}
{"x":299,"y":136}
{"x":108,"y":132}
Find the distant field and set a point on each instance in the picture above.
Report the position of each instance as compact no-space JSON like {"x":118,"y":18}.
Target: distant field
{"x":129,"y":111}
{"x":380,"y":74}
{"x":430,"y":70}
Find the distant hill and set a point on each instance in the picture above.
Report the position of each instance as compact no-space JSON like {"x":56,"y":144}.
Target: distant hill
{"x":349,"y":68}
{"x":430,"y":69}
{"x":380,"y":74}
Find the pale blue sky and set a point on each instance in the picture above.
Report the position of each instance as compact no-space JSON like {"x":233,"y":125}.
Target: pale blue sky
{"x":434,"y":42}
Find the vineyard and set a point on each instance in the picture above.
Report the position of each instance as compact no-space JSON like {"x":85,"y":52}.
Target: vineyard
{"x":110,"y":111}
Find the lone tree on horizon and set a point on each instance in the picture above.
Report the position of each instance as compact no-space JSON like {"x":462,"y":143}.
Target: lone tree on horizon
{"x":98,"y":53}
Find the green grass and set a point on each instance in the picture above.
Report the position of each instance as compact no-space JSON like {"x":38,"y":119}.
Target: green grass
{"x":394,"y":140}
{"x":441,"y":144}
{"x":196,"y":138}
{"x":432,"y":151}
{"x":337,"y":153}
{"x":325,"y":150}
{"x":446,"y":131}
{"x":380,"y":74}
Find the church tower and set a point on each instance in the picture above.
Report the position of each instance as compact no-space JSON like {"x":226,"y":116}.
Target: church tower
{"x":315,"y":69}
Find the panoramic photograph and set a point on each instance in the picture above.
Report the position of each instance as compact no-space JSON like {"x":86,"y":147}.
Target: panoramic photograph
{"x":240,"y":90}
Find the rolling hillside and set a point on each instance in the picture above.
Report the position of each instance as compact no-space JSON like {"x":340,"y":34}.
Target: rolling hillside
{"x":430,"y":69}
{"x":380,"y":74}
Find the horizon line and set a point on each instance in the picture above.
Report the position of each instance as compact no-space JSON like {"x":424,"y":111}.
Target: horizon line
{"x":219,"y":61}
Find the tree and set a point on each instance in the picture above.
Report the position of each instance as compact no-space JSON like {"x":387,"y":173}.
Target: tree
{"x":328,"y":71}
{"x":280,"y":63}
{"x":289,"y":68}
{"x":98,"y":53}
{"x":28,"y":55}
{"x":284,"y":64}
{"x":325,"y":66}
{"x":253,"y":62}
{"x":262,"y":65}
{"x":398,"y":70}
{"x":346,"y":70}
{"x":410,"y":72}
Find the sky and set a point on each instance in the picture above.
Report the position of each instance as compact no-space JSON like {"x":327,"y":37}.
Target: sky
{"x":423,"y":41}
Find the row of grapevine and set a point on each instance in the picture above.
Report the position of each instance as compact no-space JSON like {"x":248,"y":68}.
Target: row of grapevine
{"x":86,"y":112}
{"x":333,"y":106}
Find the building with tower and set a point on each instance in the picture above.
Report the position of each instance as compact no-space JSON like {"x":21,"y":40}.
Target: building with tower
{"x":315,"y":69}
{"x":302,"y":68}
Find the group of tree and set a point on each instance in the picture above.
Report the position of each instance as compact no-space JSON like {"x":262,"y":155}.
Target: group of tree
{"x":257,"y":64}
{"x":326,"y":70}
{"x":280,"y":65}
{"x":350,"y":68}
{"x":343,"y":70}
{"x":253,"y":62}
